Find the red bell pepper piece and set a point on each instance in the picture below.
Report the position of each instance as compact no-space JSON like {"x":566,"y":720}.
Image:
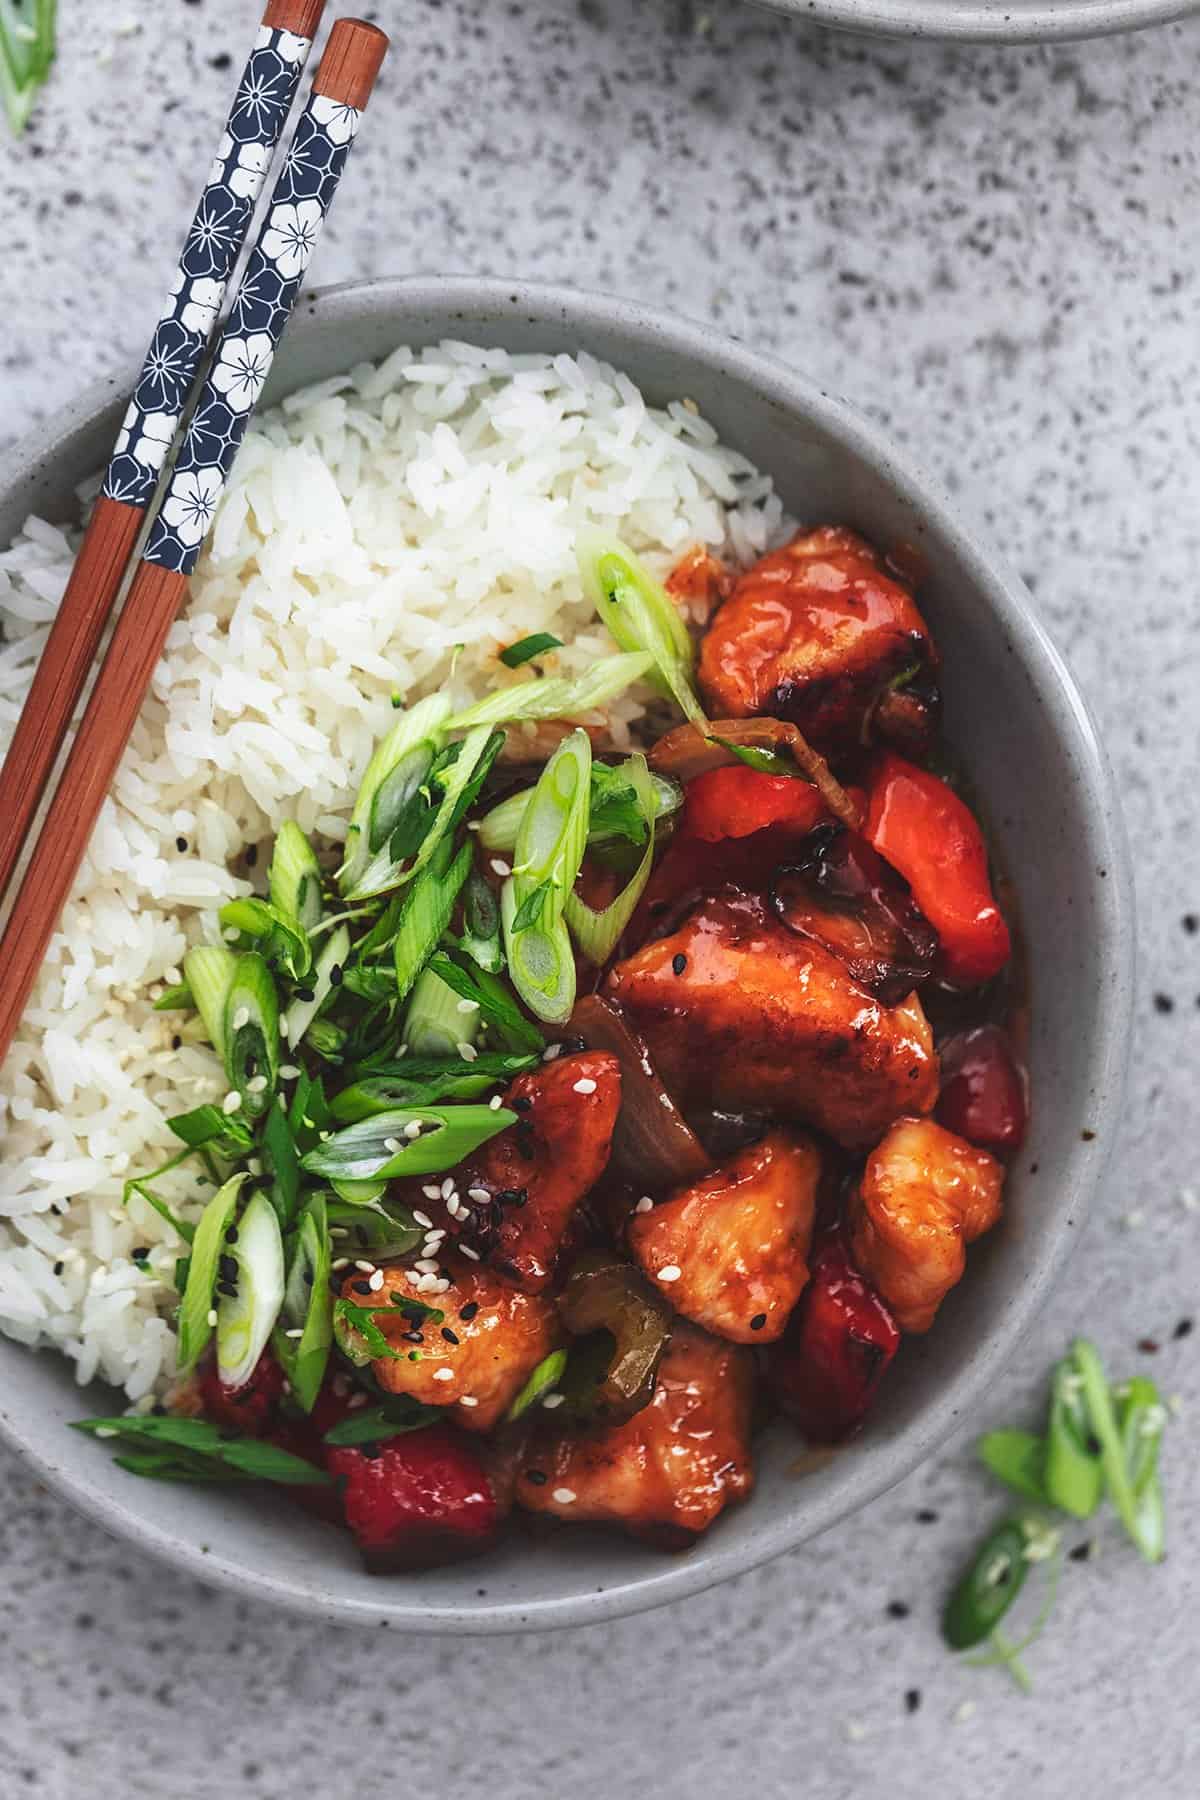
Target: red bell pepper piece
{"x":416,"y":1501}
{"x":732,"y":802}
{"x":249,"y":1409}
{"x":826,"y":1368}
{"x":923,"y":829}
{"x":983,"y":1095}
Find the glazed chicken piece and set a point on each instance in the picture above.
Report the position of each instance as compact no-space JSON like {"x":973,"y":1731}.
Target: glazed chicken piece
{"x":729,"y":1252}
{"x":666,"y":1473}
{"x":818,"y":633}
{"x":924,"y":1196}
{"x":491,"y":1340}
{"x":739,"y":1013}
{"x":535,"y":1174}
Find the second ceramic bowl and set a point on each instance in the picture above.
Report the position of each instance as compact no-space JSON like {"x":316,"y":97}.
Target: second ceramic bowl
{"x":1016,"y":717}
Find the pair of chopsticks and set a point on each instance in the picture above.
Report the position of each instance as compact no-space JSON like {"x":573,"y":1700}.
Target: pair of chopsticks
{"x":179,"y":351}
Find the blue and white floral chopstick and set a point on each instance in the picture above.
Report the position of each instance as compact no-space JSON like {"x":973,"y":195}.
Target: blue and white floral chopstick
{"x":244,"y":352}
{"x":173,"y":363}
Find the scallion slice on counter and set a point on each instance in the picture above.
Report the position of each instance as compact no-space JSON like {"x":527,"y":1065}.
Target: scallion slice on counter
{"x":307,"y":1306}
{"x":246,"y":1318}
{"x":1110,"y":1433}
{"x":208,"y":1244}
{"x":556,"y":697}
{"x":598,"y":933}
{"x":27,"y":31}
{"x":251,"y":1034}
{"x":1071,"y":1468}
{"x":393,"y":776}
{"x":301,"y":1013}
{"x":1018,"y":1459}
{"x":210,"y":970}
{"x":380,"y":1148}
{"x":641,"y":616}
{"x":295,"y":877}
{"x":430,"y":902}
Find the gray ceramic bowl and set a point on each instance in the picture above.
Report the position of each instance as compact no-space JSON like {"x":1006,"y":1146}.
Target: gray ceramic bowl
{"x":1030,"y":745}
{"x":987,"y":21}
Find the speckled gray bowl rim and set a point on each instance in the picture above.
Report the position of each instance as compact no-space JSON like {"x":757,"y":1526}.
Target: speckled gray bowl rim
{"x":447,"y":301}
{"x":986,"y":21}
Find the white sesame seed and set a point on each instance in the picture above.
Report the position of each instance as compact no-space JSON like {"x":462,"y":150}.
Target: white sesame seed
{"x":478,"y":1193}
{"x":355,"y":1401}
{"x":500,"y":867}
{"x":257,"y":1084}
{"x":472,"y":1255}
{"x":392,"y":1144}
{"x":564,"y":1496}
{"x":585,"y":1085}
{"x":413,"y":1128}
{"x":212,"y":1315}
{"x":447,"y":1187}
{"x":440,"y":1287}
{"x":426,"y":1265}
{"x":375,"y":1281}
{"x":421,"y":1218}
{"x":106,"y":1431}
{"x":645,"y":1204}
{"x":468,"y":1052}
{"x":255,"y":1165}
{"x":550,"y":1401}
{"x":241,"y":1017}
{"x":443,"y":1374}
{"x":467,"y":1400}
{"x":550,"y":1052}
{"x":340,"y":1262}
{"x":296,"y":1332}
{"x":426,"y":1283}
{"x":368,"y":1268}
{"x":467,"y":1006}
{"x":495,"y":1102}
{"x":672,"y":1272}
{"x":288,"y":1072}
{"x":231,"y":1102}
{"x":474,"y":824}
{"x":432,"y":1192}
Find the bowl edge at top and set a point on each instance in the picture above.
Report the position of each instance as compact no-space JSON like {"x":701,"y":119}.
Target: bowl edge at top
{"x":447,"y":302}
{"x":984,"y":21}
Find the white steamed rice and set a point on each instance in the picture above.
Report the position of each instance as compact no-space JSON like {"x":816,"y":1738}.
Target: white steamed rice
{"x":376,"y":521}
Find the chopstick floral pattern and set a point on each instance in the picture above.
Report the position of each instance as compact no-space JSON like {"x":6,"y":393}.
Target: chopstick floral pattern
{"x":307,"y":183}
{"x":256,"y":119}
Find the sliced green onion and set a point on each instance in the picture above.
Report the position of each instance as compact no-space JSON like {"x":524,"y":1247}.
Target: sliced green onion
{"x":327,"y":1040}
{"x":359,"y":1193}
{"x":388,"y":870}
{"x":616,"y":813}
{"x":1141,"y":1419}
{"x":1107,"y":1431}
{"x":767,"y":762}
{"x":543,"y":1379}
{"x":140,"y":1185}
{"x":209,"y":1127}
{"x":384,"y":1231}
{"x":295,"y":878}
{"x":1073,"y":1477}
{"x":252,"y":1034}
{"x":1016,"y":1458}
{"x":384,"y":1093}
{"x":208,"y":1246}
{"x":528,"y":647}
{"x":988,"y":1586}
{"x":175,"y":999}
{"x":278,"y":936}
{"x":434,"y":1025}
{"x":210,"y":970}
{"x":556,"y":697}
{"x":282,"y":1162}
{"x":598,"y":933}
{"x":398,"y":1414}
{"x":553,"y":831}
{"x":496,"y":1006}
{"x":480,"y":938}
{"x":198,"y":1450}
{"x":431,"y":901}
{"x":245,"y":1321}
{"x":301,"y":1013}
{"x":380,"y":1149}
{"x":27,"y":34}
{"x":395,"y":772}
{"x":308,"y":1307}
{"x":641,"y":615}
{"x":540,"y":962}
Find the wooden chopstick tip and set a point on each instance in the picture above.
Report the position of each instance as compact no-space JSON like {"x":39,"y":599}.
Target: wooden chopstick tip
{"x":352,"y":60}
{"x":303,"y":17}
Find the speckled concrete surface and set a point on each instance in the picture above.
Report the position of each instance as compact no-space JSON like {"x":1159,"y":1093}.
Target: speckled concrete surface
{"x":994,"y":252}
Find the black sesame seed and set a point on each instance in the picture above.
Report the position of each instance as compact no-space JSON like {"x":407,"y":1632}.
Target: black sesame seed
{"x":251,"y":856}
{"x":1163,"y":1003}
{"x":679,"y":962}
{"x":177,"y":1042}
{"x":181,"y":844}
{"x":573,"y":1046}
{"x":308,"y":1277}
{"x":56,"y":1209}
{"x":468,"y":1311}
{"x":1081,"y":1552}
{"x":221,"y":61}
{"x":1191,"y":923}
{"x":228,"y":1267}
{"x":521,"y":1103}
{"x":140,"y":1252}
{"x":538,"y":1477}
{"x":60,"y":1266}
{"x":758,"y":1321}
{"x":361,"y":1287}
{"x":912,"y":1700}
{"x":927,"y":1516}
{"x":512,"y":1196}
{"x":231,"y":1234}
{"x":336,"y":976}
{"x":305,"y":993}
{"x":1183,"y":1329}
{"x":449,"y":1335}
{"x":897,"y":1609}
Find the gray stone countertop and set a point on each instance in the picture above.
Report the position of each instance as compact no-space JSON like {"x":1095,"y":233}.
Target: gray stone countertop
{"x":994,"y":252}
